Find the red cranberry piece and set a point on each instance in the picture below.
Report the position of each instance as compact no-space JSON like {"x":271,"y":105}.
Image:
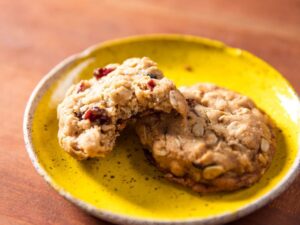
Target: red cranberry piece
{"x":151,"y":83}
{"x":97,"y":115}
{"x":81,"y":88}
{"x":87,"y":115}
{"x":101,"y":72}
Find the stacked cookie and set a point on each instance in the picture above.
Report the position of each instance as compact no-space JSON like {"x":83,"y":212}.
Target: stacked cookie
{"x":204,"y":137}
{"x":95,"y":111}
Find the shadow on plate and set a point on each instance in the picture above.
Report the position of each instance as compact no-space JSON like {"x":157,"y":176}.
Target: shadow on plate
{"x":126,"y":172}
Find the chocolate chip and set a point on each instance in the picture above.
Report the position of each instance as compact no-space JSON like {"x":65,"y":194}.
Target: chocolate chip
{"x":101,"y":72}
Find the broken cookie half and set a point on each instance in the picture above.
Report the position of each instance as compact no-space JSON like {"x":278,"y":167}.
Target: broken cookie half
{"x":95,"y":111}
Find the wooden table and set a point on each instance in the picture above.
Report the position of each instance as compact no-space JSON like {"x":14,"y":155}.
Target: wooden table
{"x":36,"y":35}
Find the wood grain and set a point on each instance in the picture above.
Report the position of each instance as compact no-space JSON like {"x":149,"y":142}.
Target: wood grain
{"x":36,"y":35}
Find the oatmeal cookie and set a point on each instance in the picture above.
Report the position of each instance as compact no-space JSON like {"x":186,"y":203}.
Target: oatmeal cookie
{"x":226,"y":143}
{"x":95,"y":111}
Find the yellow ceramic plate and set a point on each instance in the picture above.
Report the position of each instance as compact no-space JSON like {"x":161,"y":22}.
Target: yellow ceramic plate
{"x":124,"y":188}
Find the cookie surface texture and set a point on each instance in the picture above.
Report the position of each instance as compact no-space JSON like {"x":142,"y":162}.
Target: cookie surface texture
{"x":225,"y":144}
{"x":95,"y":111}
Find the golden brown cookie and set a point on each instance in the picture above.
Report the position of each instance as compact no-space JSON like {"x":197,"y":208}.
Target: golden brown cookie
{"x":94,"y":111}
{"x":227,"y":143}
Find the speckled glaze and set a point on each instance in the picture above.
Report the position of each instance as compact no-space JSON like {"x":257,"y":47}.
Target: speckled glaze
{"x":123,"y":188}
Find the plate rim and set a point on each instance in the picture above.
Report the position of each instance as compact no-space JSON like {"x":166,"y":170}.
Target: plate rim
{"x":110,"y":216}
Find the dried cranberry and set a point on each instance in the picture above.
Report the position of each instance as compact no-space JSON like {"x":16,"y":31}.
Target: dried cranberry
{"x":101,"y":72}
{"x":87,"y":115}
{"x":81,"y":88}
{"x":97,"y":115}
{"x":151,"y":84}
